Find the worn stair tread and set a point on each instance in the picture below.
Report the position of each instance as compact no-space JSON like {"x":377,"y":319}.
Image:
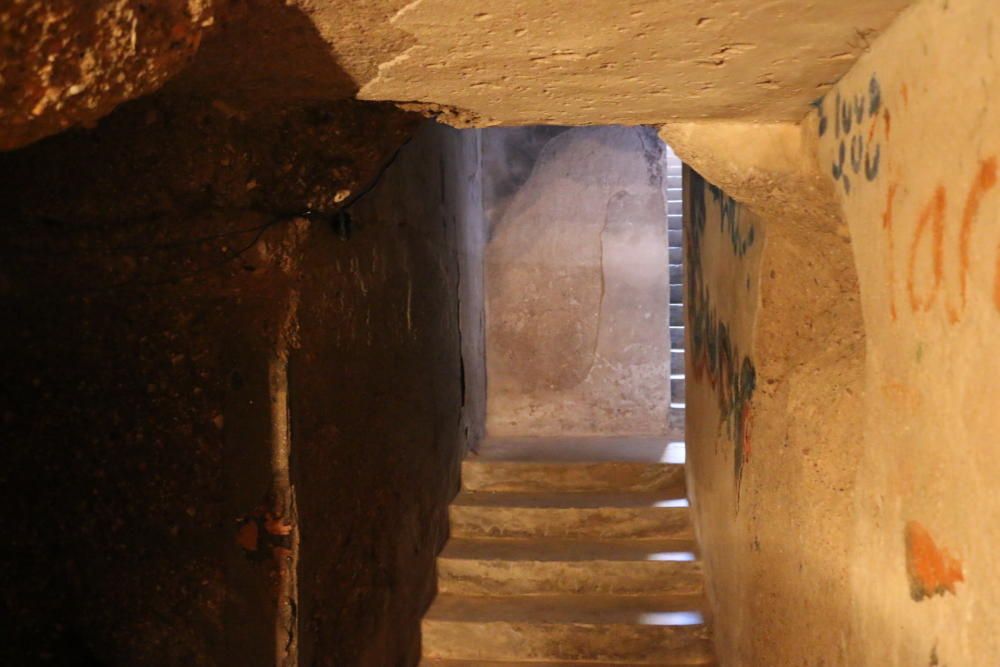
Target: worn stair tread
{"x":571,"y":522}
{"x":665,"y":498}
{"x":475,"y":577}
{"x":571,"y":552}
{"x":611,"y":642}
{"x":444,"y":662}
{"x":555,"y":549}
{"x":584,"y":449}
{"x":647,"y":610}
{"x":597,"y":477}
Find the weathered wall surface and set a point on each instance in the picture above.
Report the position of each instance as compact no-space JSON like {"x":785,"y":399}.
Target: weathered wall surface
{"x":774,"y":388}
{"x":155,"y":268}
{"x":67,"y":62}
{"x":381,"y":414}
{"x":860,"y":519}
{"x":911,"y":139}
{"x":568,"y":62}
{"x":577,"y":291}
{"x":774,"y":371}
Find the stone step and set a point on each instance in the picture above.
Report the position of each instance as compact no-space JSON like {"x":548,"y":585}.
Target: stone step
{"x":675,"y":419}
{"x":676,"y":337}
{"x":537,"y":628}
{"x":676,"y":315}
{"x":593,"y":477}
{"x":676,"y":361}
{"x":442,"y":662}
{"x":512,"y":521}
{"x":579,"y":449}
{"x":677,"y":390}
{"x":593,"y":500}
{"x":532,"y":567}
{"x":676,"y":293}
{"x":594,"y":609}
{"x":676,"y":273}
{"x":675,"y":255}
{"x":675,"y":238}
{"x":552,"y":549}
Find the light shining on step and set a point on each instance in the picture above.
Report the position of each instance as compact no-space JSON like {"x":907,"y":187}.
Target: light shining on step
{"x":674,"y":453}
{"x":671,"y":555}
{"x":672,"y":618}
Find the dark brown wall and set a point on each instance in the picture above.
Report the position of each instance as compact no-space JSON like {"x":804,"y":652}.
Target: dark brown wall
{"x":146,"y":268}
{"x":379,"y":426}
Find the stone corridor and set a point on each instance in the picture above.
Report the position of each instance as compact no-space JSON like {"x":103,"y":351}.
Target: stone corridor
{"x":350,"y":333}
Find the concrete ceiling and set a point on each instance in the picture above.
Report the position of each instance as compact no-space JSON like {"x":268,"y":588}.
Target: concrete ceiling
{"x":600,"y":61}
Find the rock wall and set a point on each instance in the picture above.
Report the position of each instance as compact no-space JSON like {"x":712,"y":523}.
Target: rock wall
{"x":856,"y":528}
{"x":68,"y":62}
{"x":228,"y":397}
{"x":387,"y":393}
{"x":773,"y":411}
{"x":577,"y":290}
{"x":911,"y":140}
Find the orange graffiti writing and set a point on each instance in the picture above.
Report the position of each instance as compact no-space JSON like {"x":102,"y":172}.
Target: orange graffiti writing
{"x":932,"y":220}
{"x":932,"y":571}
{"x":933,"y":214}
{"x":984,"y":181}
{"x":888,"y":122}
{"x":871,"y":131}
{"x":887,"y":226}
{"x":905,"y":92}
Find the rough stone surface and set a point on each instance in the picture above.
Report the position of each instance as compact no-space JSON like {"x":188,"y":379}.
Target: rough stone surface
{"x":384,"y":417}
{"x":150,"y":275}
{"x":577,"y":291}
{"x":920,"y":193}
{"x":774,"y":355}
{"x":857,"y":518}
{"x":571,"y":63}
{"x":67,"y":62}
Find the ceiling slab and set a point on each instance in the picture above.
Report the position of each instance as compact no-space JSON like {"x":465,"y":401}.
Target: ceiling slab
{"x":577,"y":62}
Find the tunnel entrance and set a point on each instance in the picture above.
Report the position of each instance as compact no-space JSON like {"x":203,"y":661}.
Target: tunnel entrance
{"x":583,"y":275}
{"x":571,"y":527}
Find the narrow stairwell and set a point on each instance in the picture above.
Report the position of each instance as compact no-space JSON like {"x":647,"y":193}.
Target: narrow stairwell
{"x":568,"y":553}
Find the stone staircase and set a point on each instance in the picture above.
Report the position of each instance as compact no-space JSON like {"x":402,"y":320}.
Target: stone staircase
{"x":569,"y":553}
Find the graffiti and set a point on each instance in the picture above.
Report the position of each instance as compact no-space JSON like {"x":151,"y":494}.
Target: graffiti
{"x":930,"y":569}
{"x":929,"y":233}
{"x":933,"y":214}
{"x":714,"y":355}
{"x":984,"y":181}
{"x":729,"y":214}
{"x":823,"y":120}
{"x":857,"y":151}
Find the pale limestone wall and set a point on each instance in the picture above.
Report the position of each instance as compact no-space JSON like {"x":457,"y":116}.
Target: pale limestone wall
{"x":918,"y":184}
{"x":577,"y":291}
{"x":773,"y":369}
{"x":861,"y":528}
